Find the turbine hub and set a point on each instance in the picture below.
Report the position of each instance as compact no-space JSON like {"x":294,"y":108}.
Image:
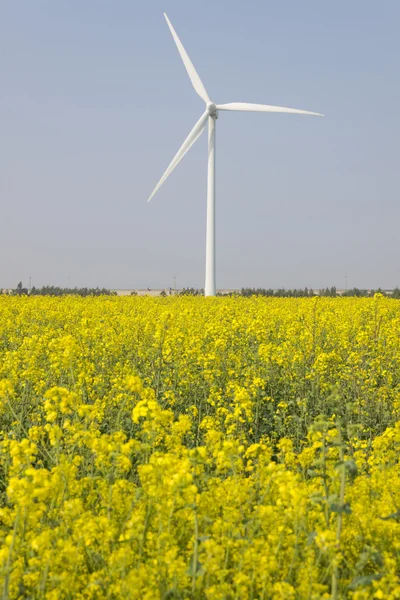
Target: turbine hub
{"x":212,"y":109}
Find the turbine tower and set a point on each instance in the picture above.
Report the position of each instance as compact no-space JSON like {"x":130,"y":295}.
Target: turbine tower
{"x":210,"y":115}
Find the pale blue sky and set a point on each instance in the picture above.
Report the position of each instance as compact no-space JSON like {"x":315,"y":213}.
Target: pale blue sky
{"x":95,"y":102}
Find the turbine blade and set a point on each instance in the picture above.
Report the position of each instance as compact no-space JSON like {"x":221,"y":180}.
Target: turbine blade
{"x":246,"y":106}
{"x":194,"y":78}
{"x":187,"y":144}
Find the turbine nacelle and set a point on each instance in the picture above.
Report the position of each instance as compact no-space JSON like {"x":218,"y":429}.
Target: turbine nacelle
{"x":212,"y":109}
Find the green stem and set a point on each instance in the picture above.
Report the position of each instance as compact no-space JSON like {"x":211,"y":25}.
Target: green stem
{"x":335,"y":573}
{"x":195,"y":551}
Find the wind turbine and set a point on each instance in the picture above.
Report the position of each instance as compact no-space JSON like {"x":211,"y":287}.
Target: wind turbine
{"x":211,"y":115}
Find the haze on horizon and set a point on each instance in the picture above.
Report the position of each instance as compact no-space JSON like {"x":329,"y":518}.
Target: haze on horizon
{"x":95,"y":102}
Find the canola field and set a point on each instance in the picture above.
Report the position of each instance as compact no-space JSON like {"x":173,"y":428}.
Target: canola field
{"x":199,"y":448}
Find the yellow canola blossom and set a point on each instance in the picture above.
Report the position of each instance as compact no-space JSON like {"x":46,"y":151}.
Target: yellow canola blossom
{"x":199,"y":448}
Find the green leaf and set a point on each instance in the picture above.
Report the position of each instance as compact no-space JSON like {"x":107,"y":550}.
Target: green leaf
{"x":364,"y":580}
{"x":341,"y":508}
{"x":194,"y":569}
{"x":395,"y":516}
{"x":312,"y":473}
{"x":311,"y":537}
{"x":351,"y":466}
{"x":332,"y":499}
{"x":317,"y":498}
{"x":336,"y":443}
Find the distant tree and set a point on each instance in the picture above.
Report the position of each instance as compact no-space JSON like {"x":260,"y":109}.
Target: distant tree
{"x":329,"y":292}
{"x":280,"y":293}
{"x":20,"y":290}
{"x":396,"y":293}
{"x":49,"y":290}
{"x":357,"y":293}
{"x":228,"y":294}
{"x":191,"y":292}
{"x":378,"y":291}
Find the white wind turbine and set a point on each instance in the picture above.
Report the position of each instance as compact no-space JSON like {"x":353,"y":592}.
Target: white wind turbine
{"x":210,"y":115}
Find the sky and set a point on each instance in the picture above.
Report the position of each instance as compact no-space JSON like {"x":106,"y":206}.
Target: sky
{"x":95,"y":102}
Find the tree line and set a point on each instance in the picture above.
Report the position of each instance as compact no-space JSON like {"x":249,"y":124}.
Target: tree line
{"x":330,"y":292}
{"x":51,"y":290}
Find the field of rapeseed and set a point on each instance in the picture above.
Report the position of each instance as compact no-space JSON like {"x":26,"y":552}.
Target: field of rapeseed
{"x":199,"y":448}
